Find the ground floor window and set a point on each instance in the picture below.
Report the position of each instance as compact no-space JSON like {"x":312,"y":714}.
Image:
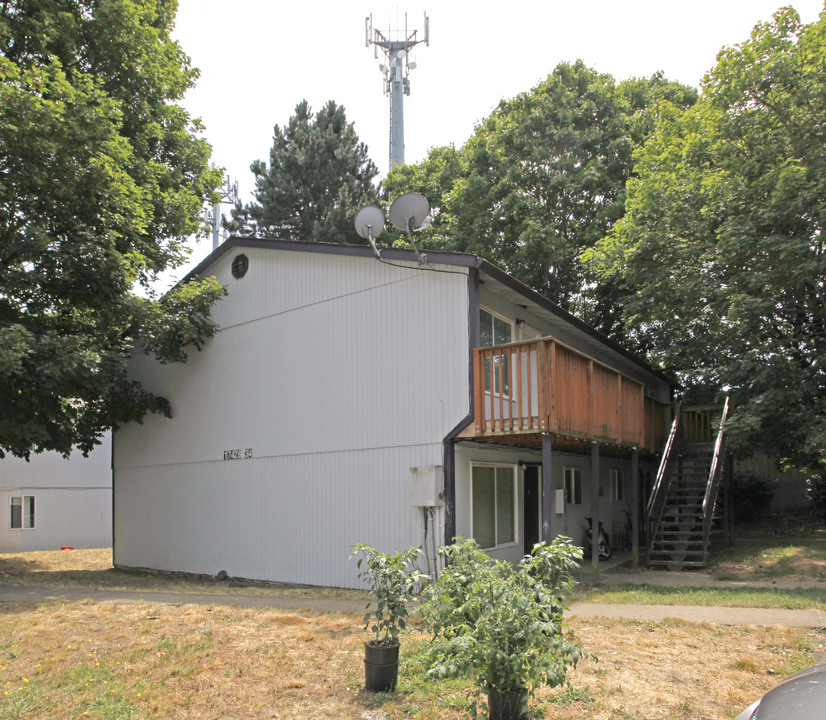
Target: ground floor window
{"x":493,"y":505}
{"x":22,"y":512}
{"x":573,"y":485}
{"x":617,"y":479}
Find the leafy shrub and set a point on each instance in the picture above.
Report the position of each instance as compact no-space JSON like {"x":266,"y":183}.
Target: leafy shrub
{"x":392,"y":579}
{"x":816,"y":492}
{"x":752,"y":497}
{"x":499,"y":624}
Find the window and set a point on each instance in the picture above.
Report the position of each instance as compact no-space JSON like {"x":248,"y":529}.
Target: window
{"x":493,"y":501}
{"x":22,"y":512}
{"x":617,"y":480}
{"x":573,"y":485}
{"x":494,"y":330}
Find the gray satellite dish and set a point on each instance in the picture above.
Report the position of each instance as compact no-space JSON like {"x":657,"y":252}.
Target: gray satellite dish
{"x":409,"y":211}
{"x":369,"y":224}
{"x":369,"y":221}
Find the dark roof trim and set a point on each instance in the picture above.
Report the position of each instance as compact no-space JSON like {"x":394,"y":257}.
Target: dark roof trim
{"x":400,"y":254}
{"x":435,"y":256}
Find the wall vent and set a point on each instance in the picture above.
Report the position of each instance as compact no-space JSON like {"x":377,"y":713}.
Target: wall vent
{"x":240,"y":265}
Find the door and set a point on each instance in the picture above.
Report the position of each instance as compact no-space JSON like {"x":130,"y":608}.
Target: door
{"x":532,"y":505}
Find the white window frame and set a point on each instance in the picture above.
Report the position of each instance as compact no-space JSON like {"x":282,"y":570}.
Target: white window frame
{"x":516,"y":529}
{"x":616,"y":479}
{"x":24,"y":516}
{"x":493,"y":385}
{"x":498,"y":316}
{"x":573,"y":477}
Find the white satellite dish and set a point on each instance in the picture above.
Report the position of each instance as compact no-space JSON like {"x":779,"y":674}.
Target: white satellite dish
{"x":369,"y":221}
{"x":409,"y":211}
{"x":369,"y":224}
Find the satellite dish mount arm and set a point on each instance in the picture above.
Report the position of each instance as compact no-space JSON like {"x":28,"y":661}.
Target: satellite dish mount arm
{"x":409,"y":221}
{"x":372,"y":241}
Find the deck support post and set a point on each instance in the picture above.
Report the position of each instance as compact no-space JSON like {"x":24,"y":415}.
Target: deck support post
{"x":547,"y":488}
{"x":594,"y":513}
{"x":635,"y":508}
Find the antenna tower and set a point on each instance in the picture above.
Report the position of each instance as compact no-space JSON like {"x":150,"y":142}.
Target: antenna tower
{"x":396,"y":76}
{"x":229,"y":194}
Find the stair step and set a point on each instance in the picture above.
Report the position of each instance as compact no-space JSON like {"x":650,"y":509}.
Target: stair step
{"x":676,"y":564}
{"x":659,"y":555}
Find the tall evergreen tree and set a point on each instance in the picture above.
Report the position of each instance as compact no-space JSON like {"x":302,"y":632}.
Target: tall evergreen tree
{"x":318,"y":177}
{"x":102,"y":178}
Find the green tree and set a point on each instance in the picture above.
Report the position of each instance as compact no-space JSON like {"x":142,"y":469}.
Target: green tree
{"x":318,"y":177}
{"x":543,"y":177}
{"x":102,"y":177}
{"x":721,"y":246}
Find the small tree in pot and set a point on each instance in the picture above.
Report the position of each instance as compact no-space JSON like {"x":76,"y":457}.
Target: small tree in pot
{"x":502,"y":625}
{"x":392,"y":579}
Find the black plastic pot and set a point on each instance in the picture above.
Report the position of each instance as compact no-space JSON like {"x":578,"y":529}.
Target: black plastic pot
{"x":381,"y":667}
{"x":506,"y":704}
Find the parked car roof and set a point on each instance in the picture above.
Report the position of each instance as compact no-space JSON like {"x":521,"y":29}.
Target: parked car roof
{"x":799,"y":697}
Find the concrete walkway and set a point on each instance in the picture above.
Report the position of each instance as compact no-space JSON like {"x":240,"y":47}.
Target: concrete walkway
{"x":609,"y":577}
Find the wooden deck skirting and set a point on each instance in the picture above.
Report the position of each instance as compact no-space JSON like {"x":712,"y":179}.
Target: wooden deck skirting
{"x":544,"y":386}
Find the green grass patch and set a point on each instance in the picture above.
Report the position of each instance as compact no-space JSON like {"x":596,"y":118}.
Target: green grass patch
{"x":795,"y":599}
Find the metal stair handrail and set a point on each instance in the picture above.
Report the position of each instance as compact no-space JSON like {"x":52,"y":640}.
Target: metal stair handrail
{"x":659,"y":493}
{"x":714,"y":474}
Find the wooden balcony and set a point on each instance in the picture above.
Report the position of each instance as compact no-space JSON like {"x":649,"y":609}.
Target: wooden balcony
{"x":525,"y":389}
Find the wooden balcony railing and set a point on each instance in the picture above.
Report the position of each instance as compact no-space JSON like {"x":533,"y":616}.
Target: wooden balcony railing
{"x":543,"y":385}
{"x":702,"y":422}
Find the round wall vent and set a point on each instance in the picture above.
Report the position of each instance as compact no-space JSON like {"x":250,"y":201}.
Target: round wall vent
{"x":240,"y":265}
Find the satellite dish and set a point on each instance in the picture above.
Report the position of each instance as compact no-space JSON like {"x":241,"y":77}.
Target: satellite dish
{"x":369,"y":224}
{"x":412,"y":65}
{"x":369,"y":221}
{"x":409,"y":211}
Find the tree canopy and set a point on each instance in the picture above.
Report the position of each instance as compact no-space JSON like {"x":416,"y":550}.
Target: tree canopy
{"x":542,"y":178}
{"x":318,"y":177}
{"x":721,"y":247}
{"x":102,"y":177}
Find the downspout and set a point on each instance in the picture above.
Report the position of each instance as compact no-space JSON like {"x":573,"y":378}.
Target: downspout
{"x":449,"y":443}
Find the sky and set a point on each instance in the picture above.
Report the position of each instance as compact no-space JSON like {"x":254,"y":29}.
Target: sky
{"x":258,"y":59}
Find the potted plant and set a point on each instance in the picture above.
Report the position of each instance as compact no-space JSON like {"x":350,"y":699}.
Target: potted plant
{"x":502,"y":624}
{"x":392,"y":579}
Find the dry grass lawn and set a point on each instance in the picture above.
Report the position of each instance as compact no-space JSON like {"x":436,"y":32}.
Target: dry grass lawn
{"x":115,"y":660}
{"x":93,"y":567}
{"x":119,"y":661}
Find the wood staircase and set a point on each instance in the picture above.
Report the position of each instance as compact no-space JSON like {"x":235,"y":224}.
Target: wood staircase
{"x":684,"y":512}
{"x":678,"y":539}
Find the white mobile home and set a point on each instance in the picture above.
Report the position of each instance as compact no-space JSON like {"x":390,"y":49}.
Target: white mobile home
{"x":52,"y":502}
{"x":349,"y":399}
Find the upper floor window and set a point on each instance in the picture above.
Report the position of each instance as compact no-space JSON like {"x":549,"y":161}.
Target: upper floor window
{"x":494,"y":330}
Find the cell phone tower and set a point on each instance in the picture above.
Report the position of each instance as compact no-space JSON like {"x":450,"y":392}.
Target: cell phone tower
{"x":396,"y":74}
{"x":212,"y":216}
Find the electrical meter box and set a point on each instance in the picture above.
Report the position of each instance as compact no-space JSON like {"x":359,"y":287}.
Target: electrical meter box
{"x":426,"y":486}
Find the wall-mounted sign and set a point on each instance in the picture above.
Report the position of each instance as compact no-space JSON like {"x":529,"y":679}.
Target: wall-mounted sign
{"x":238,"y":454}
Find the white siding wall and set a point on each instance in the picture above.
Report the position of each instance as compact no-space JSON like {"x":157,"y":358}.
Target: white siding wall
{"x":73,"y":500}
{"x":339,"y":373}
